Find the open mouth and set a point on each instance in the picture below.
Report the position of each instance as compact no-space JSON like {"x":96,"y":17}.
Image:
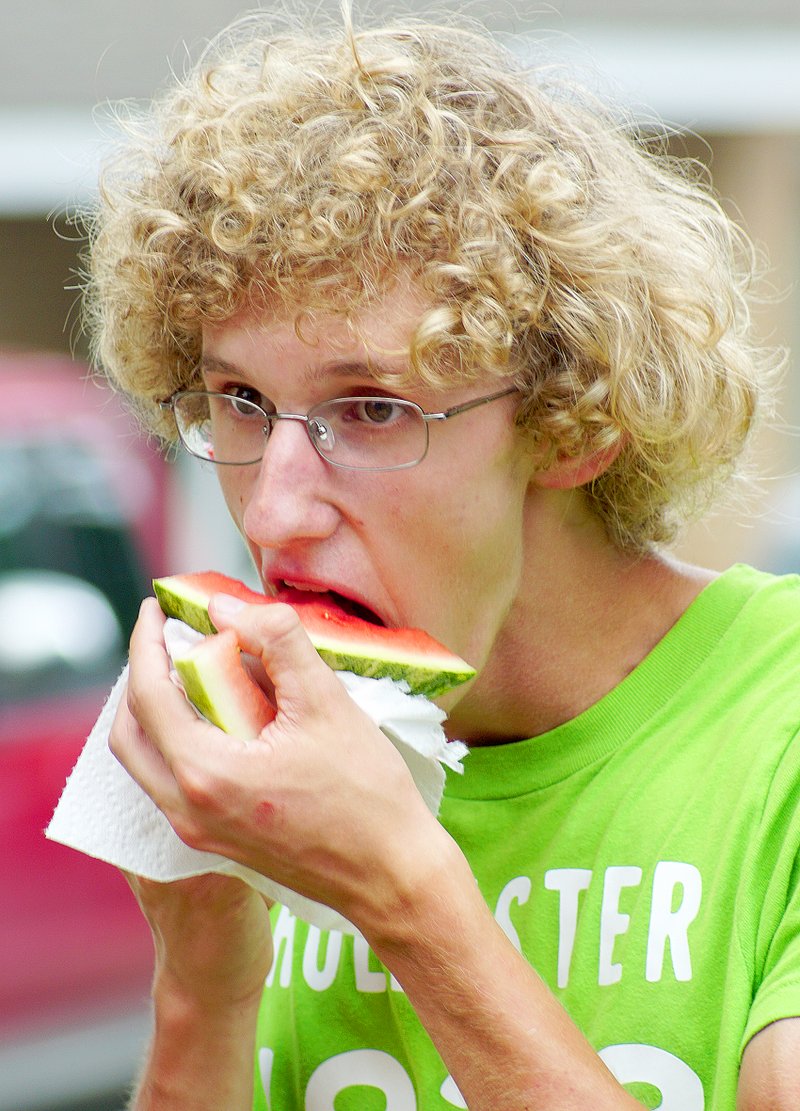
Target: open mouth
{"x":332,"y":600}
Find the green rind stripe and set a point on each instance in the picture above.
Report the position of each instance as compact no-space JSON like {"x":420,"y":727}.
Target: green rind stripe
{"x":422,"y":680}
{"x":195,"y":684}
{"x":429,"y":658}
{"x":192,"y":611}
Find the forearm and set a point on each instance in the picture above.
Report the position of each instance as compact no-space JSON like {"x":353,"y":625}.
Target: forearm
{"x":505,"y":1039}
{"x":198,"y":1059}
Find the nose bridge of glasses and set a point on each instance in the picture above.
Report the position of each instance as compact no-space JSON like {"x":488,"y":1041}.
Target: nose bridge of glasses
{"x":319,"y":430}
{"x":272,"y":417}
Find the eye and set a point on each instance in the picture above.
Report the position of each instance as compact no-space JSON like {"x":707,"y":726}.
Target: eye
{"x":248,"y":395}
{"x":377,"y":410}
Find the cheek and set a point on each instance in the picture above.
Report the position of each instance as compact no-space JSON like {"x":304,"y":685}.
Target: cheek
{"x":482,"y":524}
{"x":462,"y":562}
{"x":487,"y":558}
{"x":478,"y":502}
{"x":235,"y":490}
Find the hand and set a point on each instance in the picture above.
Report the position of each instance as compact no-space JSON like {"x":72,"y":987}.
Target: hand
{"x":211,"y":933}
{"x":321,"y":802}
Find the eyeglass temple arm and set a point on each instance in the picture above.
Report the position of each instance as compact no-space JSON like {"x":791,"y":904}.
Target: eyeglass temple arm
{"x":474,"y":404}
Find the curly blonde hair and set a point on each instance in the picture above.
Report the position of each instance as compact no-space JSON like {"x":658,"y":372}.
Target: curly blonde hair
{"x":556,"y":245}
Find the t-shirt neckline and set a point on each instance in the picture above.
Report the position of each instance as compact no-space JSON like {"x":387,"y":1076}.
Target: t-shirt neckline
{"x":597,"y":731}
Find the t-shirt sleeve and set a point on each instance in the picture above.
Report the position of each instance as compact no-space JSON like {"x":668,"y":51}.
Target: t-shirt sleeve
{"x":776,"y":887}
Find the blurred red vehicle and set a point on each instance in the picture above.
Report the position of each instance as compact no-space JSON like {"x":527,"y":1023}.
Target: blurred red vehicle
{"x":82,"y":529}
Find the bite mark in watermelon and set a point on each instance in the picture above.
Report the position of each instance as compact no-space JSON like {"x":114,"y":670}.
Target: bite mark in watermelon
{"x":215,"y":681}
{"x":345,"y":641}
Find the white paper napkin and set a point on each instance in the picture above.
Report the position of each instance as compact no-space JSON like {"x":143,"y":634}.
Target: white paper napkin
{"x":104,"y":813}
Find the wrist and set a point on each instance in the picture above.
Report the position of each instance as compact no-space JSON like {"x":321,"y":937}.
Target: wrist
{"x":200,"y":1055}
{"x":179,"y":1004}
{"x":429,"y":884}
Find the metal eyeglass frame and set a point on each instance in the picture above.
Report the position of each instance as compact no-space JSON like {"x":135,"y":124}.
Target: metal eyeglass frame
{"x":308,"y":419}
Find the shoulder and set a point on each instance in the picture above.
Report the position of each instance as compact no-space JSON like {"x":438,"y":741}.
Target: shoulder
{"x":756,"y":612}
{"x":741,"y":638}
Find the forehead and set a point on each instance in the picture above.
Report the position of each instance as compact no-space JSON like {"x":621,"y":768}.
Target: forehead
{"x":377,"y":338}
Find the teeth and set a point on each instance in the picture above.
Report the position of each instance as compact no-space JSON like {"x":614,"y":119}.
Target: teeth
{"x":305,"y":586}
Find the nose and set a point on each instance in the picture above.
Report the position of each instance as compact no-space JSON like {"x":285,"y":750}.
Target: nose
{"x":290,"y":499}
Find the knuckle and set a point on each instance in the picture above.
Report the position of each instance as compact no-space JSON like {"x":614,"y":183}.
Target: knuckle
{"x":136,"y":700}
{"x":192,"y":813}
{"x":114,"y":739}
{"x":133,"y":699}
{"x":197,"y":787}
{"x":124,"y":732}
{"x":283,"y":620}
{"x":259,"y":626}
{"x":190,"y":831}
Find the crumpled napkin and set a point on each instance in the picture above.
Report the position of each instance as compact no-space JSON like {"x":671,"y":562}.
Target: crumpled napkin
{"x":104,"y":813}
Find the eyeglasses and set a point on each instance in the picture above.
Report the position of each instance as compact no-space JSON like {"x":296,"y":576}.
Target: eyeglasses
{"x":360,"y":433}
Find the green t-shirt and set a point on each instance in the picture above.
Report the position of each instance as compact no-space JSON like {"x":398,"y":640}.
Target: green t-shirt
{"x":643,"y":857}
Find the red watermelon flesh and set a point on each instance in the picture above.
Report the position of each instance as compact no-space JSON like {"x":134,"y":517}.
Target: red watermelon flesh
{"x":344,"y":640}
{"x":216,"y":682}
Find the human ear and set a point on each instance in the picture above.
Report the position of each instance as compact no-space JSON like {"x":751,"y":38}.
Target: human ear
{"x":569,"y":472}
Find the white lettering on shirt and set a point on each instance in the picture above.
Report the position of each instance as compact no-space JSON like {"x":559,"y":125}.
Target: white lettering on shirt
{"x":368,"y":1068}
{"x":569,"y":883}
{"x":283,"y":947}
{"x":450,"y":1094}
{"x":613,"y":922}
{"x":515,"y":891}
{"x":675,"y":901}
{"x":671,"y":925}
{"x":318,"y":979}
{"x":367,"y":979}
{"x":680,"y":1087}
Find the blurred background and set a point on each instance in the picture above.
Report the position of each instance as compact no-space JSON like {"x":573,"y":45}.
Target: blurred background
{"x":89,"y":512}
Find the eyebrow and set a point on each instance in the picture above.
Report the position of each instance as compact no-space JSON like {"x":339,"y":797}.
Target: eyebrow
{"x":334,"y":368}
{"x":211,"y":362}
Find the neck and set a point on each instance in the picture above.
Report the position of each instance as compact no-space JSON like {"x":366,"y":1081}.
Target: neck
{"x":584,"y":615}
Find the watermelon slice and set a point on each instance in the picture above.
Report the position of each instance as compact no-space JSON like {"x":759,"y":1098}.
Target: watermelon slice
{"x":345,"y":641}
{"x":216,"y":682}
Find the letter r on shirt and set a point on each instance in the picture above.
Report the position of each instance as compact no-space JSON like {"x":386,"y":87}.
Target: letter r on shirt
{"x":671,"y":925}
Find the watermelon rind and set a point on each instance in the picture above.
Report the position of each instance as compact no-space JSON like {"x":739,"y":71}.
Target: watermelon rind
{"x":210,"y":695}
{"x":201,"y":689}
{"x":185,"y":603}
{"x":215,"y":682}
{"x":421,"y":679}
{"x":430,"y":673}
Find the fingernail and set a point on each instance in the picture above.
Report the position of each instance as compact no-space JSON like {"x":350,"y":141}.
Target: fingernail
{"x":226,"y":605}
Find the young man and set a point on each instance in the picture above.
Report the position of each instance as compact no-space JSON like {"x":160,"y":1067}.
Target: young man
{"x":368,"y":229}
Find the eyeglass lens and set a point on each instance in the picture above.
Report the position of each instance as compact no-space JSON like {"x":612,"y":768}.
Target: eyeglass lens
{"x":360,"y":432}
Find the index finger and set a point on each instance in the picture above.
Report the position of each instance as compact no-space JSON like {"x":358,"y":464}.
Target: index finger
{"x":275,"y":635}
